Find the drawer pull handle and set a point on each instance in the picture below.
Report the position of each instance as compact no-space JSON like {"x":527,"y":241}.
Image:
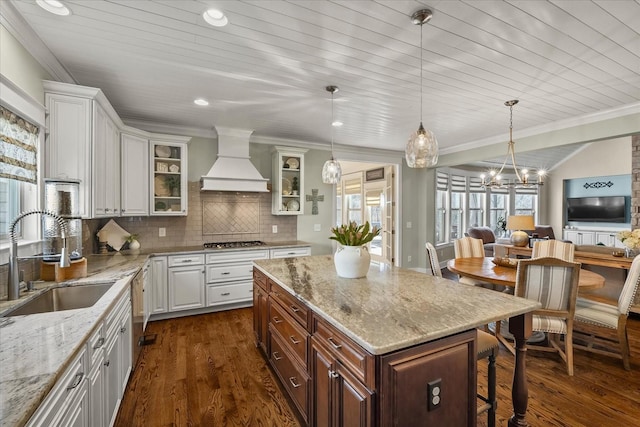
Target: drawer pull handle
{"x":333,"y":374}
{"x":293,"y":340}
{"x":77,"y":380}
{"x":292,"y":380}
{"x":295,"y":309}
{"x":225,"y":273}
{"x":336,"y":346}
{"x":99,"y":343}
{"x":250,"y":291}
{"x":275,"y":356}
{"x":224,"y":294}
{"x":291,"y":253}
{"x":276,"y":320}
{"x":187,"y":260}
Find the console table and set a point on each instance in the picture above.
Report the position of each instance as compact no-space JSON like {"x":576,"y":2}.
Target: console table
{"x":589,"y":258}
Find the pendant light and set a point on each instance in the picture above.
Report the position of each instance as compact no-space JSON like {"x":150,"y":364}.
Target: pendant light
{"x":494,"y":180}
{"x":331,"y":171}
{"x":422,"y":147}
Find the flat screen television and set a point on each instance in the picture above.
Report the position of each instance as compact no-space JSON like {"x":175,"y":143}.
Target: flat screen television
{"x":597,"y":209}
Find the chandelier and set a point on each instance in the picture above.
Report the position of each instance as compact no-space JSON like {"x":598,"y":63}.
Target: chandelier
{"x":523,"y":177}
{"x":422,"y":148}
{"x":331,"y":171}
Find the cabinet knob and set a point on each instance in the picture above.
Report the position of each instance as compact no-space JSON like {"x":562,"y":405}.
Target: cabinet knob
{"x":123,"y":330}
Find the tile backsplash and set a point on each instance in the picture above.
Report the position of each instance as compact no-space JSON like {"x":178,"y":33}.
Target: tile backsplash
{"x":212,"y":217}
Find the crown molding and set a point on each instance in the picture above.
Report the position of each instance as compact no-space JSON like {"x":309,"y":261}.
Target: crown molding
{"x":586,"y":119}
{"x":13,"y":21}
{"x":20,"y":102}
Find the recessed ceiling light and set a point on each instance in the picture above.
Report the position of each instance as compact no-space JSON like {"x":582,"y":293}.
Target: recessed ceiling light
{"x":215,"y":17}
{"x":201,"y":102}
{"x":54,"y":6}
{"x":337,"y":123}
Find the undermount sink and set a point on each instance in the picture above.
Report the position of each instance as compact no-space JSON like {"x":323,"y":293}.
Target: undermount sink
{"x":59,"y":299}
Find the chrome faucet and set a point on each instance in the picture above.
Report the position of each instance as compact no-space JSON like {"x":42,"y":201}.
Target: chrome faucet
{"x":14,"y":274}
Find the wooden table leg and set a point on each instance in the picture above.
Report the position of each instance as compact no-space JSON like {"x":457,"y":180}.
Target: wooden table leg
{"x":520,"y":327}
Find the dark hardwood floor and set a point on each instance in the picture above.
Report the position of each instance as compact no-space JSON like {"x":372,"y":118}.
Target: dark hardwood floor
{"x":205,"y":371}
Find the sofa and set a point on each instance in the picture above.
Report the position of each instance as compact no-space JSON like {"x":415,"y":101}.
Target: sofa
{"x":487,"y":236}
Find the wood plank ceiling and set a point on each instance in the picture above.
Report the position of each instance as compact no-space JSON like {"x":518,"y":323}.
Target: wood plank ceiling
{"x":268,"y":68}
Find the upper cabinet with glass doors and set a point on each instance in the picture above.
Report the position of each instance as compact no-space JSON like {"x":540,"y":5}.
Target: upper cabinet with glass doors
{"x":288,"y":181}
{"x":168,"y":177}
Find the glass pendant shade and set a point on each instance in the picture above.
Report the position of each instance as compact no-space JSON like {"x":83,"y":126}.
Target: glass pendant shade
{"x":331,"y":172}
{"x":422,"y":149}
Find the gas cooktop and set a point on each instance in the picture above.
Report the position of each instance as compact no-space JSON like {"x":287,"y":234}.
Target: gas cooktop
{"x":222,"y":245}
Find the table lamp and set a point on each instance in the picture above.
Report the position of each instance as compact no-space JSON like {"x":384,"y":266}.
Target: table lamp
{"x":517,"y":223}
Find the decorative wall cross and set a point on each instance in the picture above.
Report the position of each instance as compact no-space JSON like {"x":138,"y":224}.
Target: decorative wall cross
{"x":314,"y":198}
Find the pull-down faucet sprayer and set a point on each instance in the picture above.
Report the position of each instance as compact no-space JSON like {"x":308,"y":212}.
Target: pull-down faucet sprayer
{"x":14,"y":274}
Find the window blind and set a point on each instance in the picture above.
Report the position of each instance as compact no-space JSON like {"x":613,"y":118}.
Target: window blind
{"x":442,"y":181}
{"x":458,"y":183}
{"x":18,"y":147}
{"x":352,"y":186}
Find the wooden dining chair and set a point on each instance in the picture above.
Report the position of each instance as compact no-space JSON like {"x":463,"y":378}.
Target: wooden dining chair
{"x":611,"y":317}
{"x":554,"y":283}
{"x":487,"y":347}
{"x":554,"y":249}
{"x":470,"y":247}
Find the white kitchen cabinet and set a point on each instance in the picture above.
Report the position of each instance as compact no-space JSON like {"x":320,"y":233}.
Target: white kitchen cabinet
{"x":95,"y":381}
{"x":609,"y":238}
{"x":134,"y":175}
{"x":580,"y":237}
{"x":83,"y":143}
{"x":159,"y":288}
{"x":77,"y":415}
{"x":68,"y":394}
{"x":289,"y":252}
{"x":168,"y":178}
{"x":186,"y":287}
{"x":288,"y":181}
{"x":146,"y":294}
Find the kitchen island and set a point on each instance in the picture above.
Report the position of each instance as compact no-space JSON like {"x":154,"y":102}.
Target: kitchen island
{"x":391,"y":342}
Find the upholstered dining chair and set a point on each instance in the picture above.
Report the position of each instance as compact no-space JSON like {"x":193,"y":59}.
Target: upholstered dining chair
{"x":554,"y":249}
{"x":469,"y":247}
{"x":554,"y":283}
{"x":608,"y":316}
{"x":487,"y":347}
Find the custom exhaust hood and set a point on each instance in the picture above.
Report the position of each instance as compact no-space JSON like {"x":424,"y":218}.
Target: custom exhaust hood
{"x":233,"y":171}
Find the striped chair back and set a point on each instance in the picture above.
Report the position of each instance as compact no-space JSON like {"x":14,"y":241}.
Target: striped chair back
{"x":551,"y":281}
{"x":554,"y":249}
{"x":433,"y":265}
{"x":468,"y":247}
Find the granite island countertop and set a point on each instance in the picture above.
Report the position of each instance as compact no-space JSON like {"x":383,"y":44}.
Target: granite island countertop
{"x":392,"y":308}
{"x":36,"y":349}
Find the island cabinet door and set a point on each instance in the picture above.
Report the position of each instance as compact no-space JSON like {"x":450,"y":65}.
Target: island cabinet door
{"x":433,"y":384}
{"x":260,"y":317}
{"x":338,"y":398}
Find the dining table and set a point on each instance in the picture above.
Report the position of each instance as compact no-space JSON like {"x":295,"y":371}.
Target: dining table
{"x":484,"y":269}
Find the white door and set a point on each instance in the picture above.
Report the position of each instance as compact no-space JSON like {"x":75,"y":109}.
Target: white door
{"x":388,"y":229}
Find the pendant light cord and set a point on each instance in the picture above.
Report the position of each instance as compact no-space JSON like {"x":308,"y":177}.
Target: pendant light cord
{"x":332,"y":92}
{"x":421,"y":25}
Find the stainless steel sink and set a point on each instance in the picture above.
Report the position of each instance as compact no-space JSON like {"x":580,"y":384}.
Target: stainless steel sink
{"x":59,"y":299}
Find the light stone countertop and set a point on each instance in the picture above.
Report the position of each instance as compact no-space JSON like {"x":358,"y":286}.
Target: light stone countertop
{"x":36,"y":349}
{"x":392,"y":308}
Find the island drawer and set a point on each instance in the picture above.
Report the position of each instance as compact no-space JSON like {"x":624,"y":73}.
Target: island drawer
{"x":293,"y":377}
{"x":292,"y":334}
{"x":187,"y":259}
{"x":290,"y":252}
{"x":260,"y":278}
{"x":295,"y":308}
{"x":360,"y":362}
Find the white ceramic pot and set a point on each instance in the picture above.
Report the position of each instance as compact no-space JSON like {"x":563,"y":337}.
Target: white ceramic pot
{"x":352,"y":262}
{"x":134,"y":245}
